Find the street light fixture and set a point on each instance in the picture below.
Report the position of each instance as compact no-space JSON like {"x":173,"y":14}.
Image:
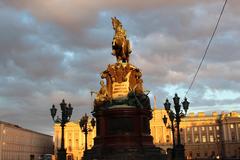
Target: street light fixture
{"x":83,"y":123}
{"x":66,"y":115}
{"x":178,"y":150}
{"x":185,"y":104}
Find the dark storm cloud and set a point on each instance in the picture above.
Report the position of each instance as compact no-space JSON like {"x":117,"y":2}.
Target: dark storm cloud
{"x":50,"y":50}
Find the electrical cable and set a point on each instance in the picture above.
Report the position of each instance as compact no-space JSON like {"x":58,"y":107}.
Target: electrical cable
{"x":206,"y":50}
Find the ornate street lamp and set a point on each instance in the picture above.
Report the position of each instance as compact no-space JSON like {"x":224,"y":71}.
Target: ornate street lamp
{"x":66,"y":115}
{"x":178,"y":150}
{"x":85,"y":128}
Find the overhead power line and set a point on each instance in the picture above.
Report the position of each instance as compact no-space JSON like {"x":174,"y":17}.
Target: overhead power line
{"x":206,"y":50}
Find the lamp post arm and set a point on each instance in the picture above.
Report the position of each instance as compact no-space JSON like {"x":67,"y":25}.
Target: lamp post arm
{"x":182,"y":115}
{"x":57,"y":120}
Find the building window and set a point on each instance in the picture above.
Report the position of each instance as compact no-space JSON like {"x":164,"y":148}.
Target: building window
{"x":211,"y":138}
{"x":210,"y":128}
{"x":70,"y":144}
{"x":213,"y":154}
{"x":231,"y":126}
{"x":217,"y":128}
{"x":188,"y":129}
{"x":198,"y":154}
{"x":218,"y":137}
{"x":233,"y":136}
{"x":205,"y":154}
{"x":204,"y":139}
{"x":203,"y":128}
{"x":239,"y":125}
{"x":195,"y":129}
{"x":196,"y":138}
{"x":77,"y":144}
{"x":189,"y":139}
{"x":190,"y":154}
{"x":167,"y":138}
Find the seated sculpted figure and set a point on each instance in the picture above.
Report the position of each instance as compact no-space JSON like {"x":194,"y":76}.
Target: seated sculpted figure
{"x":102,"y":95}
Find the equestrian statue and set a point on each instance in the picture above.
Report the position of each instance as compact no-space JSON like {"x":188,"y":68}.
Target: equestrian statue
{"x":120,"y":44}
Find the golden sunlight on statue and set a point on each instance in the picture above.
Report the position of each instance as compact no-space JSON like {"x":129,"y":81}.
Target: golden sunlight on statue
{"x":120,"y":44}
{"x":102,"y":95}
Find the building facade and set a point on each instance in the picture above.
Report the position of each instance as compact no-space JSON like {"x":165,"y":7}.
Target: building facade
{"x":17,"y":143}
{"x":162,"y":136}
{"x":74,"y":140}
{"x":204,"y":136}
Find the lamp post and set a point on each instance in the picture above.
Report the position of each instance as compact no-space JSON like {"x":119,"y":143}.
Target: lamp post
{"x":66,"y":115}
{"x":85,"y":128}
{"x":178,"y":149}
{"x":171,"y":126}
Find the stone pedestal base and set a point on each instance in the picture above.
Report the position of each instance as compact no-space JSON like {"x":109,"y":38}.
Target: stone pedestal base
{"x":123,"y":133}
{"x":153,"y":153}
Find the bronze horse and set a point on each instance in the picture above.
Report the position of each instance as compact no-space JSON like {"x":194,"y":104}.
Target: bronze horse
{"x":120,"y":44}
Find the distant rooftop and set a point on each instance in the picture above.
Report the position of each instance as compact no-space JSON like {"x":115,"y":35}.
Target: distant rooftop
{"x":19,"y":127}
{"x":207,"y":114}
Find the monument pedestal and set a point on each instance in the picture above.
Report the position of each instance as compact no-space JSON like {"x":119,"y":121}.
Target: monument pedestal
{"x":123,"y":133}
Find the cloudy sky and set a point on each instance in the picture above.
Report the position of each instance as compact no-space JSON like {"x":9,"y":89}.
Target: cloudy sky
{"x":55,"y":49}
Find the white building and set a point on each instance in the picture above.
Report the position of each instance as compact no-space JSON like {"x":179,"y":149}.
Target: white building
{"x":17,"y":143}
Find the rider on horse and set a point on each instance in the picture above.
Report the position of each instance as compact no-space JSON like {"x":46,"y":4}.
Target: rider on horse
{"x":120,"y":44}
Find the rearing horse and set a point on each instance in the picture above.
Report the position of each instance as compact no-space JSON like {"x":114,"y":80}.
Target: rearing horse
{"x":120,"y":44}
